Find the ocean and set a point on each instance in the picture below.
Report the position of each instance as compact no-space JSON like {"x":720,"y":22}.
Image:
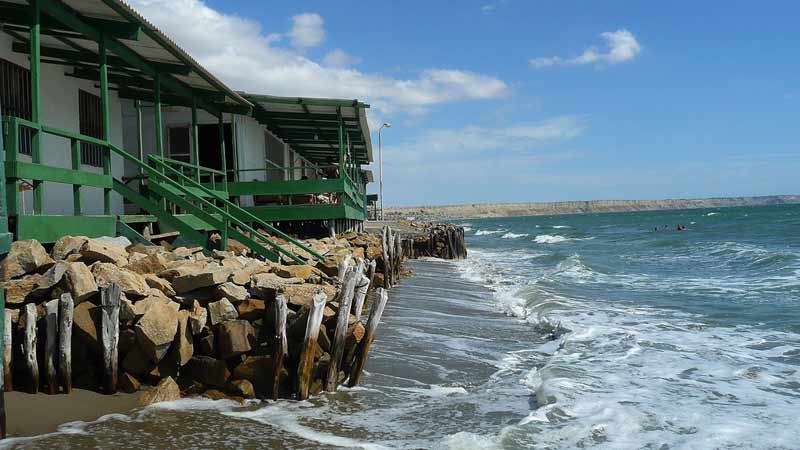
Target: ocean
{"x":558,"y":332}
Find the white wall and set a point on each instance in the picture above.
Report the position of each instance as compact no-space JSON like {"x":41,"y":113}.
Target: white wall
{"x":59,"y":109}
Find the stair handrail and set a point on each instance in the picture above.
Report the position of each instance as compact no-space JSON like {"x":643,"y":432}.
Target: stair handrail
{"x":205,"y":202}
{"x":238,"y":209}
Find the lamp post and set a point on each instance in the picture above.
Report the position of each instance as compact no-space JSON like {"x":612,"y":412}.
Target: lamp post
{"x":380,"y":164}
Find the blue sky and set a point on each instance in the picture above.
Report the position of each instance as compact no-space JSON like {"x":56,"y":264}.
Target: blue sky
{"x":510,"y":101}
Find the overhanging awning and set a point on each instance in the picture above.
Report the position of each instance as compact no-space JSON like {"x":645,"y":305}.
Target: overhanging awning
{"x":69,"y":37}
{"x":310,"y":126}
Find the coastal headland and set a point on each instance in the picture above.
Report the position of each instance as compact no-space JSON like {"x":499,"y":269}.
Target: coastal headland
{"x":478,"y":210}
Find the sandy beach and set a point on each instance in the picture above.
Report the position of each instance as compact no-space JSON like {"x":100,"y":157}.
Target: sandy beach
{"x":35,"y":414}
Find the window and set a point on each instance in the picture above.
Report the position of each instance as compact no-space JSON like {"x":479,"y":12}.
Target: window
{"x":180,"y":147}
{"x":91,"y":124}
{"x":15,"y":98}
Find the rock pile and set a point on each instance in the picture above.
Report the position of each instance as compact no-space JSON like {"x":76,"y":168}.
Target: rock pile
{"x":190,"y":322}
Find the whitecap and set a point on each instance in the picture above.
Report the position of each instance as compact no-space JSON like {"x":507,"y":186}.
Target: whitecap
{"x":511,"y":235}
{"x":487,"y":232}
{"x":549,"y":239}
{"x":561,"y":226}
{"x":712,"y":214}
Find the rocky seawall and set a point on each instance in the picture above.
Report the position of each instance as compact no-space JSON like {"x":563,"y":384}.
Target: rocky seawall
{"x":105,"y":315}
{"x":440,"y":213}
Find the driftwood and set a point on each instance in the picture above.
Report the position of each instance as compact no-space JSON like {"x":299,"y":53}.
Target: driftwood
{"x":29,"y":348}
{"x":371,"y":271}
{"x":110,"y":304}
{"x":8,"y":362}
{"x":65,"y":311}
{"x":50,"y":350}
{"x":306,"y":365}
{"x":343,"y":265}
{"x":280,"y":344}
{"x":361,"y":294}
{"x":375,"y":312}
{"x":340,"y":334}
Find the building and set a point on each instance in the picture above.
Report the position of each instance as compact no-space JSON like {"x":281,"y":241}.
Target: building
{"x":110,"y":128}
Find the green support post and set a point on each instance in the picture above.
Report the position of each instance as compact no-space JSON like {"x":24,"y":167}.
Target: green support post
{"x":76,"y":165}
{"x":195,"y":139}
{"x":5,"y":243}
{"x":158,"y":126}
{"x":341,"y":142}
{"x":106,"y":120}
{"x":12,"y":155}
{"x":235,"y":149}
{"x":36,"y":66}
{"x":223,"y":244}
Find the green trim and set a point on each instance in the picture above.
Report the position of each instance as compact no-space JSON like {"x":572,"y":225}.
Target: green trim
{"x":297,"y":187}
{"x":255,"y":98}
{"x":36,"y":103}
{"x":305,"y":212}
{"x":76,"y":56}
{"x":40,"y":172}
{"x":17,"y":14}
{"x":48,"y":229}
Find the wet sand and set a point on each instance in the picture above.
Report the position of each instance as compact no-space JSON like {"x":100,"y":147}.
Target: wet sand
{"x":35,"y":414}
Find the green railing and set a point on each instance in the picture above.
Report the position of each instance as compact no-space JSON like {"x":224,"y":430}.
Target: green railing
{"x":165,"y":177}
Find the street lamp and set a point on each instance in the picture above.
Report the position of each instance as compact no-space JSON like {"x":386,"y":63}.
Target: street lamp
{"x":380,"y":164}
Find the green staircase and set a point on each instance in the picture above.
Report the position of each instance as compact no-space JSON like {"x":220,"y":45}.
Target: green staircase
{"x":176,"y":189}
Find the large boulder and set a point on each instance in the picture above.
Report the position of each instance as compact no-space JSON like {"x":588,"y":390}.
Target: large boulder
{"x":204,"y":278}
{"x":152,"y":263}
{"x":266,"y":285}
{"x":24,"y":257}
{"x":105,"y":250}
{"x":130,"y":283}
{"x":128,"y":383}
{"x":18,"y":290}
{"x":251,"y":267}
{"x":374,"y":253}
{"x":140,"y":307}
{"x":302,"y":272}
{"x":85,"y":323}
{"x":156,"y":330}
{"x":235,"y":337}
{"x":197,"y":318}
{"x":156,"y":282}
{"x":242,"y":388}
{"x":137,"y":362}
{"x":49,"y":280}
{"x":80,"y":281}
{"x":302,"y":294}
{"x":221,"y":311}
{"x":232,"y":292}
{"x":208,"y":370}
{"x":258,"y":371}
{"x":184,"y":343}
{"x":181,"y":268}
{"x":251,"y":309}
{"x":68,"y":245}
{"x":166,"y":390}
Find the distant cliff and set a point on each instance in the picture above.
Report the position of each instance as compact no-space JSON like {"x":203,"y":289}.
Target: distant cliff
{"x":578,"y":207}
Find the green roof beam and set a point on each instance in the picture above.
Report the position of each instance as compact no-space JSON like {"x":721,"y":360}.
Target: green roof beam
{"x":17,"y":14}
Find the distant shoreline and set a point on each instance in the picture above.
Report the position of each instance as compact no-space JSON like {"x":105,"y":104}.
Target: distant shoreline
{"x":488,"y":210}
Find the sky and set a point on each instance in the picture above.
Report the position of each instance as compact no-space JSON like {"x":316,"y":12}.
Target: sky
{"x":516,"y":101}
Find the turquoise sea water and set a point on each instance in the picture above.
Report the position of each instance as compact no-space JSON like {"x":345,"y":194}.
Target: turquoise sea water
{"x":561,"y":332}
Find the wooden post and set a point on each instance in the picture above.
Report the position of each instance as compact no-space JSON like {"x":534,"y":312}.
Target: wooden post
{"x":29,"y":348}
{"x":51,"y":320}
{"x":280,"y":345}
{"x":398,"y":257}
{"x":343,"y":265}
{"x":8,"y":365}
{"x":340,"y":334}
{"x":110,"y":304}
{"x":375,"y":312}
{"x":307,"y":354}
{"x":387,"y":263}
{"x":65,"y":310}
{"x":361,"y":294}
{"x":371,"y":271}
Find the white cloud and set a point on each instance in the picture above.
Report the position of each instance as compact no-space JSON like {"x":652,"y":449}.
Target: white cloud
{"x":621,"y":46}
{"x":307,"y":30}
{"x":338,"y":58}
{"x":240,"y":53}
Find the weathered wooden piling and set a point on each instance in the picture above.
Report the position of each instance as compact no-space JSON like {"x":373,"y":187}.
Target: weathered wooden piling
{"x":387,"y":262}
{"x":306,"y":365}
{"x":371,"y":271}
{"x":29,"y":348}
{"x":340,"y":333}
{"x":50,"y":348}
{"x":110,"y":305}
{"x":280,"y":343}
{"x":8,"y":361}
{"x":375,"y":312}
{"x":397,"y":257}
{"x":362,"y":287}
{"x":65,"y":312}
{"x":343,"y":265}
